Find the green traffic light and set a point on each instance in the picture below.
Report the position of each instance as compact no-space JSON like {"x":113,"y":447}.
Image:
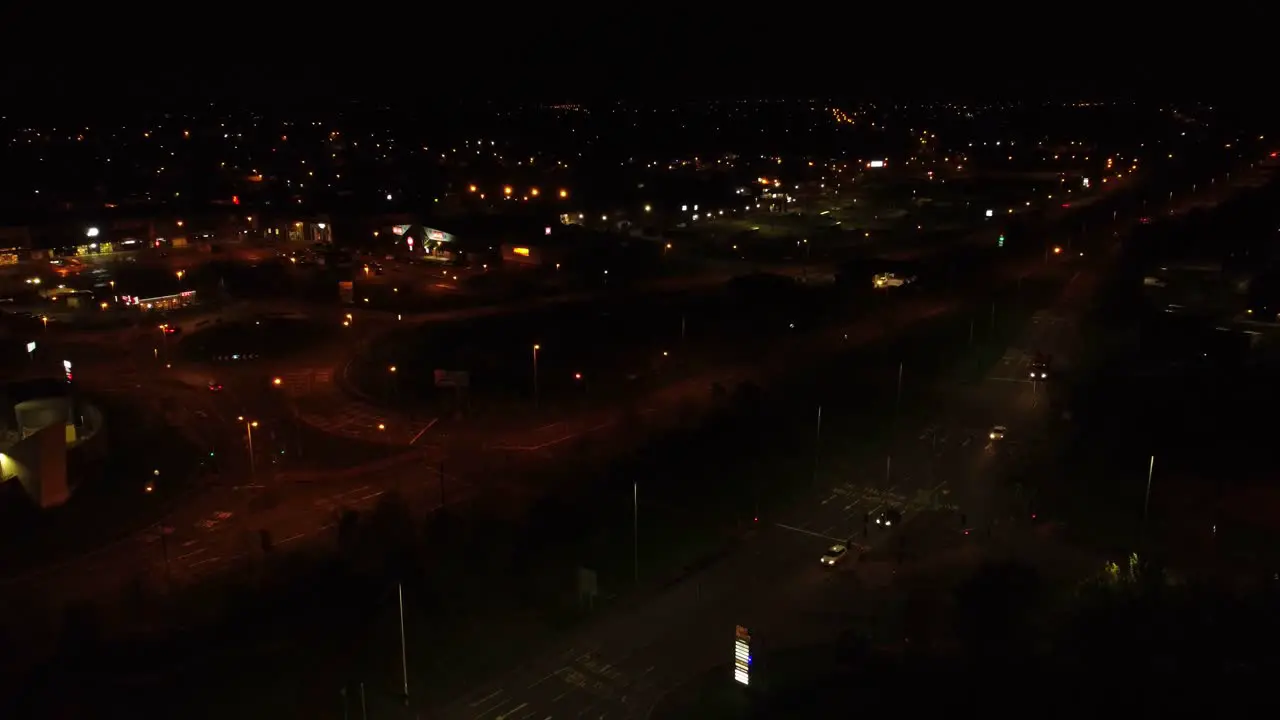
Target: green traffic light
{"x":1000,"y":243}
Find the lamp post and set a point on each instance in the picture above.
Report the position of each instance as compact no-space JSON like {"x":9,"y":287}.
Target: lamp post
{"x":249,"y":425}
{"x":536,"y":348}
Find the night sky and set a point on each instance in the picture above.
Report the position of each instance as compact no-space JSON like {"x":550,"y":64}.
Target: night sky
{"x":1061,"y":51}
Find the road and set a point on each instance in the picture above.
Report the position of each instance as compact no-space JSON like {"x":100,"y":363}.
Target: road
{"x":221,"y":531}
{"x":623,"y":665}
{"x":289,"y":510}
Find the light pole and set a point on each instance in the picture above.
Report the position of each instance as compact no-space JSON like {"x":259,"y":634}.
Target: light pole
{"x":897,"y":400}
{"x":635,"y":530}
{"x":249,"y":425}
{"x":536,"y":348}
{"x":1146,"y":501}
{"x":404,"y":654}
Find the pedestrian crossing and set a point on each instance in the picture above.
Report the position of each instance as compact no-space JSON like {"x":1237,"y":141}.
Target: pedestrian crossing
{"x":297,"y":383}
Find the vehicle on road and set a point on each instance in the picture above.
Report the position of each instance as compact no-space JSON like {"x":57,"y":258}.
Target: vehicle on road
{"x":888,"y":280}
{"x":215,"y":386}
{"x":997,"y":432}
{"x":1040,"y":366}
{"x":835,"y":554}
{"x":889,"y":517}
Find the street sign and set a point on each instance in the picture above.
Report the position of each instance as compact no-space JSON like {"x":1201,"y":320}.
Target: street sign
{"x":452,"y":378}
{"x":66,"y":366}
{"x":31,"y":347}
{"x":742,"y":655}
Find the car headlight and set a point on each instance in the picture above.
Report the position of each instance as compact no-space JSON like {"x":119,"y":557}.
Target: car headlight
{"x":992,"y":436}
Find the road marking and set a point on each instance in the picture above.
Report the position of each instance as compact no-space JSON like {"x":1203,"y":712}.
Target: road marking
{"x":191,"y":554}
{"x":810,"y":532}
{"x":507,"y":714}
{"x":291,"y":538}
{"x":205,"y":561}
{"x":428,"y":427}
{"x":486,"y":698}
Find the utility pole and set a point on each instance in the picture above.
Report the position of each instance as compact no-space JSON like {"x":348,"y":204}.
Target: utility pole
{"x":404,"y":655}
{"x":897,"y":400}
{"x":817,"y":443}
{"x":1146,"y":501}
{"x":635,"y":531}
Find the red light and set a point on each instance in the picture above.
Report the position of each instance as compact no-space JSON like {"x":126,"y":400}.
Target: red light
{"x":1065,"y":205}
{"x":756,"y":519}
{"x":235,"y":199}
{"x":1273,"y":154}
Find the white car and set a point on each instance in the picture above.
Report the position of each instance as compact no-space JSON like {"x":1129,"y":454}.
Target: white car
{"x":888,"y":280}
{"x":834,"y":554}
{"x":997,"y":432}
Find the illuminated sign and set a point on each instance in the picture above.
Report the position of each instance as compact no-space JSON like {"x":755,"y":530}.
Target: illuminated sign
{"x":742,"y":655}
{"x":521,"y":251}
{"x":31,"y":347}
{"x":436,"y":235}
{"x":66,"y":367}
{"x":876,"y":164}
{"x":399,"y":229}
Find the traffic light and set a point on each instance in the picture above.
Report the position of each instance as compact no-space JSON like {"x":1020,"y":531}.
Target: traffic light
{"x":1000,"y":241}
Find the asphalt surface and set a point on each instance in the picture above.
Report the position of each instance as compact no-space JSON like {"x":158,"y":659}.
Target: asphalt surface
{"x":948,"y":475}
{"x":774,"y":584}
{"x":220,"y":531}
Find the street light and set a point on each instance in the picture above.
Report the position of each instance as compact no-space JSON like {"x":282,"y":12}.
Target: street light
{"x":536,"y":348}
{"x":249,"y":425}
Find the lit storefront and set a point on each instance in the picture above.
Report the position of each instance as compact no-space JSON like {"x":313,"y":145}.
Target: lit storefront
{"x":315,"y":233}
{"x":431,"y":243}
{"x":176,"y":301}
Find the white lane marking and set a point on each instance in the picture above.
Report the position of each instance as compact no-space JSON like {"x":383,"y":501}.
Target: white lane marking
{"x":507,"y":714}
{"x":486,"y":698}
{"x":809,"y":532}
{"x":205,"y":561}
{"x":423,"y":430}
{"x":192,"y":553}
{"x":291,"y":538}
